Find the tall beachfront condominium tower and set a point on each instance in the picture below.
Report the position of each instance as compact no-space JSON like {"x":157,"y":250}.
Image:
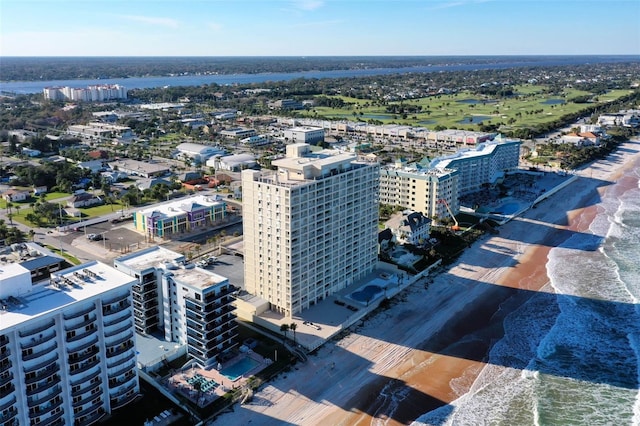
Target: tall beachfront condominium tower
{"x":67,"y":351}
{"x":310,"y":227}
{"x":420,"y":189}
{"x":187,"y":305}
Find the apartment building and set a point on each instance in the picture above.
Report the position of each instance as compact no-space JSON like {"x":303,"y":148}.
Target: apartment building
{"x":183,"y":304}
{"x":310,"y":227}
{"x":419,"y":188}
{"x":102,"y":92}
{"x":484,"y":164}
{"x":67,"y":349}
{"x":310,"y":135}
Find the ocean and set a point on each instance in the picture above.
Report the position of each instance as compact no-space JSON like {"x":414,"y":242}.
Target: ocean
{"x":570,"y":354}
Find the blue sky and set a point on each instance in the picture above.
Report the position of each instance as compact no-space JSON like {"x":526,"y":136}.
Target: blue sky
{"x":317,"y":27}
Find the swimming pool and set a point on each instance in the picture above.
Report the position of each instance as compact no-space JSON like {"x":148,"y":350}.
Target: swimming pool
{"x":233,"y":372}
{"x":507,"y":209}
{"x":366,"y":294}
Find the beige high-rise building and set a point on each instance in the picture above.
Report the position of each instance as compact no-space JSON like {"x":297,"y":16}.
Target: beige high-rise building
{"x":420,"y":189}
{"x":310,"y":227}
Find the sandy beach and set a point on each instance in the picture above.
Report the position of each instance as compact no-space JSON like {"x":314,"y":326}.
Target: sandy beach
{"x":426,"y":350}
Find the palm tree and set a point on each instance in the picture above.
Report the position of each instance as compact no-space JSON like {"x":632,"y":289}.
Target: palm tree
{"x":293,"y":327}
{"x":32,"y":234}
{"x":284,"y":328}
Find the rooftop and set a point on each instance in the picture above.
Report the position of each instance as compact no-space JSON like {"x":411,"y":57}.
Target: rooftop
{"x":481,"y":150}
{"x":149,"y":258}
{"x":72,"y":285}
{"x":197,"y":278}
{"x":179,"y":207}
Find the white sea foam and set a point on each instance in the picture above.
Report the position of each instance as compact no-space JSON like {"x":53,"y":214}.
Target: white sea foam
{"x":570,"y":358}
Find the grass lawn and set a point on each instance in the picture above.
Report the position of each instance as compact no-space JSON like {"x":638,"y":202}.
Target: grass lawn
{"x":71,"y":259}
{"x":465,"y":110}
{"x":100,"y":210}
{"x":56,"y":195}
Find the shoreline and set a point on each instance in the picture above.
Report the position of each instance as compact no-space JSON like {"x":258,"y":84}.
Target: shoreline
{"x":531,"y":272}
{"x":441,"y":337}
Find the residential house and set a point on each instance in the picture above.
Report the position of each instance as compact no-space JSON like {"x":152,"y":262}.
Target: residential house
{"x":409,"y":227}
{"x":84,"y":199}
{"x":15,"y":195}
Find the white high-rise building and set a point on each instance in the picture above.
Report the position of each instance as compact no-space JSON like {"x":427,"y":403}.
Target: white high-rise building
{"x":484,"y":164}
{"x":67,"y":348}
{"x":187,"y":305}
{"x":310,"y":228}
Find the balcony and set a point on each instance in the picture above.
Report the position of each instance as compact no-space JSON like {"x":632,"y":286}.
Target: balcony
{"x":192,"y":305}
{"x":43,"y":374}
{"x":115,"y":403}
{"x":53,"y":385}
{"x":127,"y":326}
{"x":52,"y":420}
{"x":114,"y":309}
{"x":123,"y":391}
{"x":127,"y":368}
{"x":4,"y":392}
{"x":127,"y":358}
{"x":35,"y":341}
{"x":5,"y":378}
{"x":5,"y":354}
{"x":121,"y":349}
{"x":3,"y":339}
{"x":7,"y":404}
{"x":83,"y":312}
{"x":46,"y":326}
{"x":84,"y":400}
{"x":91,"y":418}
{"x":87,"y":388}
{"x":82,"y":335}
{"x":146,"y":296}
{"x":76,"y":357}
{"x":121,"y":340}
{"x":83,"y":347}
{"x":10,"y":414}
{"x":81,"y":368}
{"x":82,"y":324}
{"x":117,"y":299}
{"x":38,"y":354}
{"x":42,"y":364}
{"x":91,"y":415}
{"x":85,"y":379}
{"x":116,"y":320}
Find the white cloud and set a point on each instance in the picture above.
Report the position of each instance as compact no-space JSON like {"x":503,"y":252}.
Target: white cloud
{"x":308,"y":4}
{"x":214,"y":26}
{"x":448,"y":5}
{"x":319,"y":24}
{"x":164,"y":22}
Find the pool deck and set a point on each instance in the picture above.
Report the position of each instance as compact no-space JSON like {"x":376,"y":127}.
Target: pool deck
{"x":336,"y":313}
{"x":179,"y":380}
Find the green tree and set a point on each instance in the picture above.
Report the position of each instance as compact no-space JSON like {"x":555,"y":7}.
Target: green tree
{"x":293,"y":326}
{"x":284,"y":328}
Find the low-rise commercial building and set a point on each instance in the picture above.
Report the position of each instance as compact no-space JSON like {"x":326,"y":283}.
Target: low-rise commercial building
{"x":179,"y":216}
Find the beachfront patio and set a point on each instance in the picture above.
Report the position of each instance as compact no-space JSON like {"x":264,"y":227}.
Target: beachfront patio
{"x":203,"y":386}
